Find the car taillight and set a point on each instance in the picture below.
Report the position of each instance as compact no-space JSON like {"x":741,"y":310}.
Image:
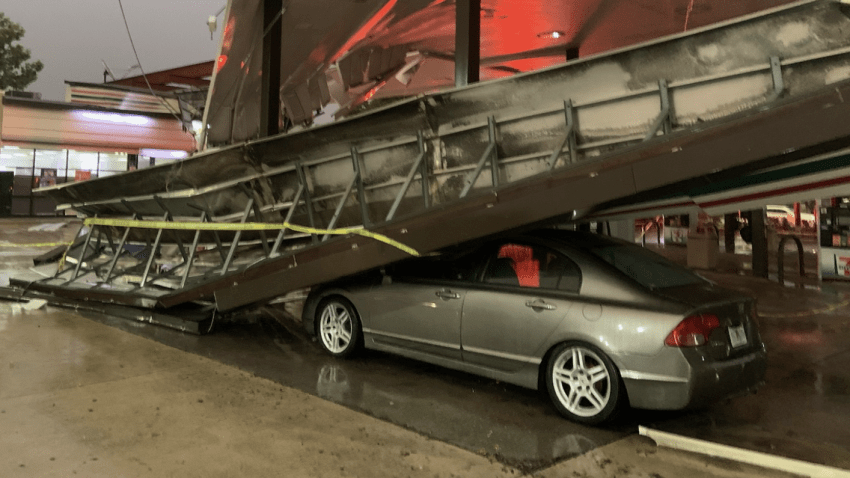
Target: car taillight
{"x":693,"y":331}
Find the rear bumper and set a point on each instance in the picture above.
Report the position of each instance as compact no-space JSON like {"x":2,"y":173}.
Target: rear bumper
{"x":707,"y":382}
{"x":713,"y":382}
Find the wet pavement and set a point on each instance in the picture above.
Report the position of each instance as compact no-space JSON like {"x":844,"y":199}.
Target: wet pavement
{"x":516,"y":426}
{"x":81,"y":398}
{"x":802,"y":412}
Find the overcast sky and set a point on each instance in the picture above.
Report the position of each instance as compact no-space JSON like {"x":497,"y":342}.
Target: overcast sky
{"x":71,"y":37}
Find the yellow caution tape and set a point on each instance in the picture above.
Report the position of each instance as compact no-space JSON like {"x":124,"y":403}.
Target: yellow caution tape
{"x":253,"y":226}
{"x":42,"y":244}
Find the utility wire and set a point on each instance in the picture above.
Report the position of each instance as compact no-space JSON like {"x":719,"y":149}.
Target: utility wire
{"x":139,"y":62}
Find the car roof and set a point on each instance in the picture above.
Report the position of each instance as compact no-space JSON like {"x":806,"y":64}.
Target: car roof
{"x":577,"y":239}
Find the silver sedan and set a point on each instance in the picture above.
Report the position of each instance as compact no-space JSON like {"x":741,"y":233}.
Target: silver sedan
{"x":599,"y":323}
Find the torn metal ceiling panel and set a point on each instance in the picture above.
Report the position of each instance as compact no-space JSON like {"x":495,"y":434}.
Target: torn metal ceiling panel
{"x":320,"y":36}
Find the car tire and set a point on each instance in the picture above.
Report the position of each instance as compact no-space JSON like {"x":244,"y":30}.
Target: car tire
{"x":583,"y":383}
{"x":338,"y":326}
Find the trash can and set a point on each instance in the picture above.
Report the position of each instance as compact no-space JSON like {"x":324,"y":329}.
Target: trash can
{"x":7,"y":183}
{"x":703,"y":246}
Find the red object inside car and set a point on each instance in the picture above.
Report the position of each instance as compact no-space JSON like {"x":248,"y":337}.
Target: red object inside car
{"x":527,"y":268}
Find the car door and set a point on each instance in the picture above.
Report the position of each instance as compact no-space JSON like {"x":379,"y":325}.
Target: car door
{"x":526,"y":291}
{"x":419,"y":306}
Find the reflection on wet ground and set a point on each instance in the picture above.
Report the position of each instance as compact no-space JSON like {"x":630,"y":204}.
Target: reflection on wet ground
{"x":803,"y":411}
{"x":515,"y":425}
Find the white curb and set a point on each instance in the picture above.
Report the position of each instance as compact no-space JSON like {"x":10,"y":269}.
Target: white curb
{"x":763,"y":460}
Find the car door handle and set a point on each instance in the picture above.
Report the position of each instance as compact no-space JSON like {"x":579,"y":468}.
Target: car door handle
{"x":447,"y":294}
{"x":539,"y":304}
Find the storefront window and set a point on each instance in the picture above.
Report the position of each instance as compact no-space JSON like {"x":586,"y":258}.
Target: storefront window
{"x":81,"y":161}
{"x":112,"y":163}
{"x":38,"y":168}
{"x":17,"y":160}
{"x":49,"y":161}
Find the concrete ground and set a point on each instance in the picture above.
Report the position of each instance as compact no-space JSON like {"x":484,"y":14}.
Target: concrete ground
{"x":78,"y":397}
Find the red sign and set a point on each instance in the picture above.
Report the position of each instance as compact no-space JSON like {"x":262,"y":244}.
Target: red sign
{"x":81,"y":175}
{"x":844,"y":266}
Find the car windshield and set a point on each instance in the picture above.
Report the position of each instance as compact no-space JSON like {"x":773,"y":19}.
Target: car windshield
{"x":646,"y":267}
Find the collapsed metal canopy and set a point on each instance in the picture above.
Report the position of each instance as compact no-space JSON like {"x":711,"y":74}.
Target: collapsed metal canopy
{"x":452,"y":167}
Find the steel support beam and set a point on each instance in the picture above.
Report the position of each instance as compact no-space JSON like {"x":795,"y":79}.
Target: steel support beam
{"x":270,"y":102}
{"x":341,"y":204}
{"x":170,"y":217}
{"x":417,"y":168}
{"x":258,"y":216}
{"x":287,"y":219}
{"x":361,"y":192}
{"x":489,"y":154}
{"x":207,"y":217}
{"x":308,"y":201}
{"x":82,"y":256}
{"x":426,"y":188}
{"x":467,"y":41}
{"x":569,"y":138}
{"x":118,"y":253}
{"x":494,"y":160}
{"x":237,"y":236}
{"x":188,"y":264}
{"x":664,"y":120}
{"x":776,"y":74}
{"x":154,"y":250}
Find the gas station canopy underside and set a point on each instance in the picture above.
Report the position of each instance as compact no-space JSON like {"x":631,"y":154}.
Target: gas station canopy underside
{"x":349,"y":51}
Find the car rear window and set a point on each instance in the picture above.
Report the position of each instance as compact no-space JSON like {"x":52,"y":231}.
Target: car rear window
{"x":645,"y":267}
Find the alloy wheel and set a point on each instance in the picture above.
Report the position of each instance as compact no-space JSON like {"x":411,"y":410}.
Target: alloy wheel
{"x":338,"y":327}
{"x":581,"y":381}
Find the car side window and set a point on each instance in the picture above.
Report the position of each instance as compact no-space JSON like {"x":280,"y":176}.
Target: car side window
{"x":438,"y":268}
{"x":560,"y":272}
{"x":533,"y":267}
